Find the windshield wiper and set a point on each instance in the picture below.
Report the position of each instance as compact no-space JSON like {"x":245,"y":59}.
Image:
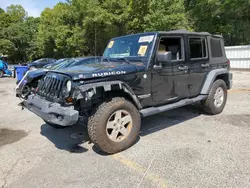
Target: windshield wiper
{"x":124,"y":58}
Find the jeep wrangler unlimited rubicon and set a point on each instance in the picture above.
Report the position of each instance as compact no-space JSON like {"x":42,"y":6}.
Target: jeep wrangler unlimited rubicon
{"x":140,"y":75}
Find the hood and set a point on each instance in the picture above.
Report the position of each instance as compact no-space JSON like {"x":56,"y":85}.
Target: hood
{"x":101,"y":70}
{"x":36,"y":73}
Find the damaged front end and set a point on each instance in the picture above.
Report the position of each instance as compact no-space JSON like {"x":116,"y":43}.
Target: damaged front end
{"x":48,"y":101}
{"x":51,"y":112}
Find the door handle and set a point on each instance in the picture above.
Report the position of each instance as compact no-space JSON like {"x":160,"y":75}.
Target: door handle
{"x":183,"y":68}
{"x":205,"y":65}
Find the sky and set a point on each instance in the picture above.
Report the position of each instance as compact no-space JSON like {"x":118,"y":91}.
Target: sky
{"x":33,"y":7}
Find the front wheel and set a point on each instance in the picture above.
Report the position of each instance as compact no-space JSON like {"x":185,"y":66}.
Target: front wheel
{"x":114,"y":126}
{"x":217,"y":98}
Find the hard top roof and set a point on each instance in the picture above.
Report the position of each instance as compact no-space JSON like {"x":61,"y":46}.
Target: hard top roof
{"x":184,"y":32}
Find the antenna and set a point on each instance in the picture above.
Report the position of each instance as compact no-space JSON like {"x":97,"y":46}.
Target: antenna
{"x":95,"y":42}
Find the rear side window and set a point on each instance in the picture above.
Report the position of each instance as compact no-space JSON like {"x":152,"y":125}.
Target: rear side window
{"x":198,"y":49}
{"x":216,"y":49}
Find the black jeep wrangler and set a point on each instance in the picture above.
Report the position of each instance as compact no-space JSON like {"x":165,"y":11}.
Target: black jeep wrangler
{"x":139,"y":75}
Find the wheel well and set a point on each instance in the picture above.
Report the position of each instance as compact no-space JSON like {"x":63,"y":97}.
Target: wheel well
{"x":34,"y":82}
{"x":100,"y":96}
{"x":120,"y":93}
{"x":224,"y":77}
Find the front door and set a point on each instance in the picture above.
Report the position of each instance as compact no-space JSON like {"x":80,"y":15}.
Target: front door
{"x":198,"y":62}
{"x":169,"y":80}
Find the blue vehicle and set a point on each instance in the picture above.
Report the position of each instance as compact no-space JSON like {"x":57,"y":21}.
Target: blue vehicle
{"x":49,"y":66}
{"x":40,"y":63}
{"x":4,"y":68}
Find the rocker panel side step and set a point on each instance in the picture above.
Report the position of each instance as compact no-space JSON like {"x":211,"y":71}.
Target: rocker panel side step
{"x":155,"y":110}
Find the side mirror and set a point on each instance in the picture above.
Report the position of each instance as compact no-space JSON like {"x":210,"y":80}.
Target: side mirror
{"x":164,"y":57}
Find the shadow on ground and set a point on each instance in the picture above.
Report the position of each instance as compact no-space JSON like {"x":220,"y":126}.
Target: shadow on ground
{"x":71,"y":138}
{"x":167,"y":119}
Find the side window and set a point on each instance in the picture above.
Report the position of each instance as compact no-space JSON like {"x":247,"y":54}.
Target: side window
{"x":40,"y":61}
{"x":198,"y":48}
{"x":44,"y":61}
{"x":216,"y":49}
{"x":175,"y":45}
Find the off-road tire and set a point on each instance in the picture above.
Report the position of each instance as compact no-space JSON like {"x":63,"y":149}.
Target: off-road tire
{"x":208,"y":104}
{"x":98,"y":120}
{"x":1,"y":73}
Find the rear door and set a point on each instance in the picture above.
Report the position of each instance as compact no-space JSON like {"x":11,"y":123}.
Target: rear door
{"x":198,"y":59}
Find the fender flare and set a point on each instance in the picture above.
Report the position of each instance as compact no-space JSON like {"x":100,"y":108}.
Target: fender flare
{"x":211,"y":78}
{"x":88,"y":90}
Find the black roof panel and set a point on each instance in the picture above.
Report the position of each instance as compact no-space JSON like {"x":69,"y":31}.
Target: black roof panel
{"x":185,"y":32}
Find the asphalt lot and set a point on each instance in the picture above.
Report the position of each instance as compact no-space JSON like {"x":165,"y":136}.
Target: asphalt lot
{"x":180,"y":148}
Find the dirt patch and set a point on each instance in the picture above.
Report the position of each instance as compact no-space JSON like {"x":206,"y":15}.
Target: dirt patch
{"x":8,"y":136}
{"x":2,"y":91}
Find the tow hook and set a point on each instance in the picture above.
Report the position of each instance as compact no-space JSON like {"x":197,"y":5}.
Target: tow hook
{"x":22,"y":105}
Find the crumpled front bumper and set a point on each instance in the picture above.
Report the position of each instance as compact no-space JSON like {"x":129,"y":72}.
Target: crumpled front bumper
{"x":51,"y":112}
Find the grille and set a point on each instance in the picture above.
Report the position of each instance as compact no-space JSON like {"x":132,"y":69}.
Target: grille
{"x":51,"y":87}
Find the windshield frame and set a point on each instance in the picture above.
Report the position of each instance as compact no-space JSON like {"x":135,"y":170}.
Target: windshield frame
{"x":145,"y":59}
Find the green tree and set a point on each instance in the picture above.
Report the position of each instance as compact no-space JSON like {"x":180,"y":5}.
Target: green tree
{"x":138,"y":11}
{"x":167,"y":15}
{"x":230,"y":18}
{"x":17,"y":13}
{"x":18,"y":34}
{"x":5,"y":20}
{"x":6,"y":47}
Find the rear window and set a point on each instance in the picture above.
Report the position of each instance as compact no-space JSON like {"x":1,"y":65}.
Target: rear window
{"x":216,"y":49}
{"x":197,"y":48}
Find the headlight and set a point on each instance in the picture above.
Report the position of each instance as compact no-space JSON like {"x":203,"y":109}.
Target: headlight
{"x":69,"y":85}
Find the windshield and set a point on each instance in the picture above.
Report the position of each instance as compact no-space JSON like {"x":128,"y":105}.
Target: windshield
{"x":38,"y":61}
{"x":134,"y":46}
{"x":62,"y":64}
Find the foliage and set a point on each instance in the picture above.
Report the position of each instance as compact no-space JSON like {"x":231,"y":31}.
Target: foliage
{"x":167,"y":15}
{"x":84,"y":27}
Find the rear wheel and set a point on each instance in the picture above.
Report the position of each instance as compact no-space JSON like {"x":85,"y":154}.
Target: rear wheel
{"x":1,"y":73}
{"x":114,"y":126}
{"x":217,"y":98}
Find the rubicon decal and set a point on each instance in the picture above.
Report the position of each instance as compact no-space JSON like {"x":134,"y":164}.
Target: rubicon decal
{"x":109,"y":73}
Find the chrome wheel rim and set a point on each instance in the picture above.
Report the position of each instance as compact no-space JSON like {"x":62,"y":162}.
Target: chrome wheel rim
{"x":219,"y":97}
{"x":119,"y":125}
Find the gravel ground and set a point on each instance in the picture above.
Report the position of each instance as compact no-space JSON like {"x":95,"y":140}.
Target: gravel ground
{"x":179,"y":148}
